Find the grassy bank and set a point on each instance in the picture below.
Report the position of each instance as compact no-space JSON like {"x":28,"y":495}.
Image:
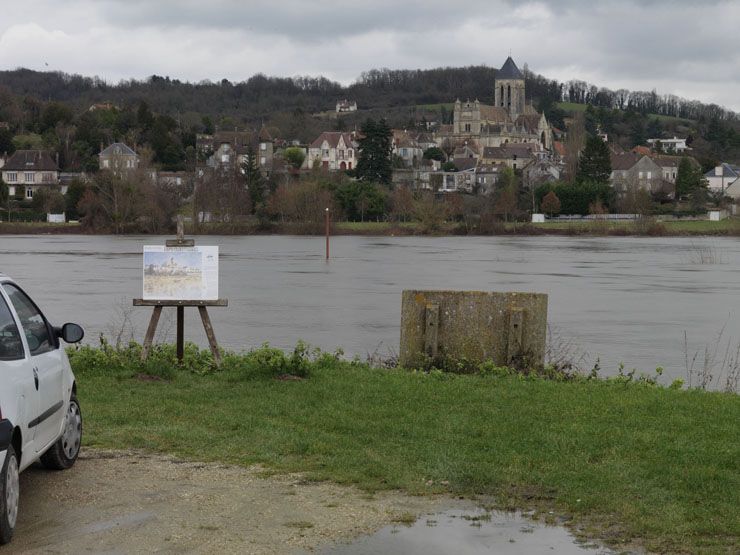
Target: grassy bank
{"x":728,"y":227}
{"x":627,"y":461}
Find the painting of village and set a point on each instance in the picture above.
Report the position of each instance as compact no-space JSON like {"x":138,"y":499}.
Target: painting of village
{"x":173,"y":275}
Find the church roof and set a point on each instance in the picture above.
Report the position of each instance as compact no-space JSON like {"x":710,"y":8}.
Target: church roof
{"x":494,"y":114}
{"x":509,"y":70}
{"x":530,"y":122}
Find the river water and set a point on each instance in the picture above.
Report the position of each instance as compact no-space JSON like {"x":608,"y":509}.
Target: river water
{"x":621,"y":300}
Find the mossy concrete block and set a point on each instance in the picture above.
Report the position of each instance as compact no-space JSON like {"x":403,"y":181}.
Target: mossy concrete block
{"x":473,"y":326}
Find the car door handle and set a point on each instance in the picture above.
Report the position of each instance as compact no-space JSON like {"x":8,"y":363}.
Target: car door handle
{"x":36,"y":378}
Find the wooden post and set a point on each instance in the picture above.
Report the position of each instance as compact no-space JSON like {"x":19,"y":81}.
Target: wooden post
{"x":326,"y":218}
{"x":210,"y":334}
{"x":149,"y":337}
{"x":180,"y":306}
{"x":180,"y":333}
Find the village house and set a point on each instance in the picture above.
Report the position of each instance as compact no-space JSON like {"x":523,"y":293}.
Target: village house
{"x":346,"y":106}
{"x":226,"y":151}
{"x":514,"y":156}
{"x":486,"y":177}
{"x":721,"y":177}
{"x":333,"y":150}
{"x":631,"y":171}
{"x":118,"y":158}
{"x":669,"y":145}
{"x":406,"y":148}
{"x":27,"y":171}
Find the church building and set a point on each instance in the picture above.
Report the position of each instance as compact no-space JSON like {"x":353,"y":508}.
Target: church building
{"x":509,"y":120}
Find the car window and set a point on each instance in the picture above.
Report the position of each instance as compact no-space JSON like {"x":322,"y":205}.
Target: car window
{"x":11,"y":347}
{"x":32,"y":321}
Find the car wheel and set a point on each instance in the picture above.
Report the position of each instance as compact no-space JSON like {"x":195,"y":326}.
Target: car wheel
{"x":63,"y":453}
{"x":9,"y":492}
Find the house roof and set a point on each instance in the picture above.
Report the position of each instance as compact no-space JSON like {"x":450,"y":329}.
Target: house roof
{"x":508,"y":151}
{"x":728,"y":170}
{"x":624,"y":161}
{"x":643,"y":150}
{"x":463,"y":164}
{"x":264,"y":135}
{"x":332,"y":137}
{"x":509,"y":70}
{"x":559,"y":147}
{"x":117,"y":149}
{"x":31,"y":160}
{"x":667,"y":161}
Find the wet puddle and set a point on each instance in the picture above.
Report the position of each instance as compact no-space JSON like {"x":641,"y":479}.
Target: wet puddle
{"x":469,"y":533}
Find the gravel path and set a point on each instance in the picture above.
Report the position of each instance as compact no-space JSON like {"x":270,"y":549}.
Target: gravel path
{"x":125,"y":502}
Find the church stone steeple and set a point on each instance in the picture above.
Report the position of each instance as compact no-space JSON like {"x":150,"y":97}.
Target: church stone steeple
{"x":509,"y":89}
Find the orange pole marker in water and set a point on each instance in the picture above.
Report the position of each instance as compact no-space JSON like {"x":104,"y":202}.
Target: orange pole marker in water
{"x":327,"y":232}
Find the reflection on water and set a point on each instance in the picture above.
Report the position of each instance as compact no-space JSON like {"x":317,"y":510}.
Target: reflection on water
{"x":469,"y":533}
{"x":622,"y":299}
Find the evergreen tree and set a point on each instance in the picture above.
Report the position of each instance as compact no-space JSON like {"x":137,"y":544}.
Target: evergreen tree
{"x":688,"y":179}
{"x":4,"y":192}
{"x":374,"y":163}
{"x":6,"y":142}
{"x":595,"y":164}
{"x":253,"y":178}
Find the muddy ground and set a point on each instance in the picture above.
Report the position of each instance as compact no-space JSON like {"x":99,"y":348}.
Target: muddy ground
{"x":125,"y":502}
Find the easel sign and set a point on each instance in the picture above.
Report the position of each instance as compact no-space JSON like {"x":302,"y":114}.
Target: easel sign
{"x":180,"y":274}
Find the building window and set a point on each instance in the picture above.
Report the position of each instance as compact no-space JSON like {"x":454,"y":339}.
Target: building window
{"x":467,"y":127}
{"x":263,"y":160}
{"x":263,"y":146}
{"x":349,"y":153}
{"x":325,"y":152}
{"x":640,"y":175}
{"x":12,"y":177}
{"x":341,"y":155}
{"x":47,"y":177}
{"x":29,"y":192}
{"x":28,"y":177}
{"x":224,"y":158}
{"x":649,"y":175}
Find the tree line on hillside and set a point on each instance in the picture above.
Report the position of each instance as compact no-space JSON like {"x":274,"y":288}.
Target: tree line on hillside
{"x":260,"y":95}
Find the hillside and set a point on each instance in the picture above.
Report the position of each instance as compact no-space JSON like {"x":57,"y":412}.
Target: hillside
{"x":51,"y":110}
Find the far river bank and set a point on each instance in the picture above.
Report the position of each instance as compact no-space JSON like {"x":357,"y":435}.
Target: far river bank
{"x":595,"y":228}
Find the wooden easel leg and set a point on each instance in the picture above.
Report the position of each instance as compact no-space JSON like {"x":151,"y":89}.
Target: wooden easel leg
{"x":149,"y":337}
{"x":210,"y":334}
{"x":180,"y":333}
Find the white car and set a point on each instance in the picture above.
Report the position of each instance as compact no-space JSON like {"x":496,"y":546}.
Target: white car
{"x":40,"y":417}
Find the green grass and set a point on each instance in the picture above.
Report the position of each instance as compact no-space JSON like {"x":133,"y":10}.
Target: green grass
{"x":627,"y":461}
{"x":576,"y":107}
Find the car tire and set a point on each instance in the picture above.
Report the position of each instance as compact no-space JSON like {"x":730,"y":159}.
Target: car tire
{"x":63,"y":453}
{"x":9,"y":494}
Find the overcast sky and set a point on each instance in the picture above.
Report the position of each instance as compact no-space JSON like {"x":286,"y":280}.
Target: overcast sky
{"x":687,"y":48}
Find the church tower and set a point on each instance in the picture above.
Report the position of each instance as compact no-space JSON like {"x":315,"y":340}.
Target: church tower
{"x":509,"y":89}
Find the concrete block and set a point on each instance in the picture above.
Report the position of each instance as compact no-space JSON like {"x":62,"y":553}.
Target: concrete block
{"x":473,"y":326}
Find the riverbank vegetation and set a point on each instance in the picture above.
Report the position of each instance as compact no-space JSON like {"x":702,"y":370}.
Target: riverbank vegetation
{"x":621,"y":459}
{"x":647,"y":228}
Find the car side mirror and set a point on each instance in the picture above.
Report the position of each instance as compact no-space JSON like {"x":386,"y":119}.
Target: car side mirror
{"x":71,"y":333}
